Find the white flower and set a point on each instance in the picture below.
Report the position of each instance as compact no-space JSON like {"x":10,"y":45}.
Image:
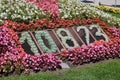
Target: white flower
{"x":14,"y":9}
{"x":74,"y":8}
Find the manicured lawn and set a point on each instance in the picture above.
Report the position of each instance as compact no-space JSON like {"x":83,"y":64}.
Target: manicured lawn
{"x":109,"y":70}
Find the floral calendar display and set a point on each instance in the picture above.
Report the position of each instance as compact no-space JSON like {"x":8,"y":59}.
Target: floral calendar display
{"x":42,"y":41}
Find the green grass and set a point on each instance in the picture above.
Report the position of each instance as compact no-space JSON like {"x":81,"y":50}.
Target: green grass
{"x":104,"y":71}
{"x":115,"y":14}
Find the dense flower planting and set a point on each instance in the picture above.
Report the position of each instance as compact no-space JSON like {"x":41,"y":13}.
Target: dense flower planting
{"x":44,"y":24}
{"x":9,"y":50}
{"x":25,"y":12}
{"x":9,"y":41}
{"x":70,"y":9}
{"x":11,"y":63}
{"x":19,"y":11}
{"x":47,"y":5}
{"x":14,"y":60}
{"x":99,"y":50}
{"x":18,"y":61}
{"x":19,"y":15}
{"x":109,"y":9}
{"x":43,"y":62}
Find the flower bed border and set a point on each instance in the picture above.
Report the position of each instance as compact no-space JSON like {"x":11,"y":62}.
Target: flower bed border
{"x":51,"y":24}
{"x":99,"y":50}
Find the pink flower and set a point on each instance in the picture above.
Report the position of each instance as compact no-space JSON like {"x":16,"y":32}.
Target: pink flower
{"x":47,"y":5}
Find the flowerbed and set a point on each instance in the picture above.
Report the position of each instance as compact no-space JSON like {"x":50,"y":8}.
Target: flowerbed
{"x":99,"y":50}
{"x":109,"y":9}
{"x":20,"y":11}
{"x":24,"y":12}
{"x":70,"y":9}
{"x":17,"y":64}
{"x":13,"y":59}
{"x":44,"y":24}
{"x":22,"y":16}
{"x":47,"y":5}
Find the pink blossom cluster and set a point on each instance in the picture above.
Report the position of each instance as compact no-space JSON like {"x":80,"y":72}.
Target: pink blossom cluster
{"x":42,"y":62}
{"x":97,"y":51}
{"x":14,"y":59}
{"x":8,"y":42}
{"x":10,"y":49}
{"x":115,"y":32}
{"x":10,"y":63}
{"x":47,"y":5}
